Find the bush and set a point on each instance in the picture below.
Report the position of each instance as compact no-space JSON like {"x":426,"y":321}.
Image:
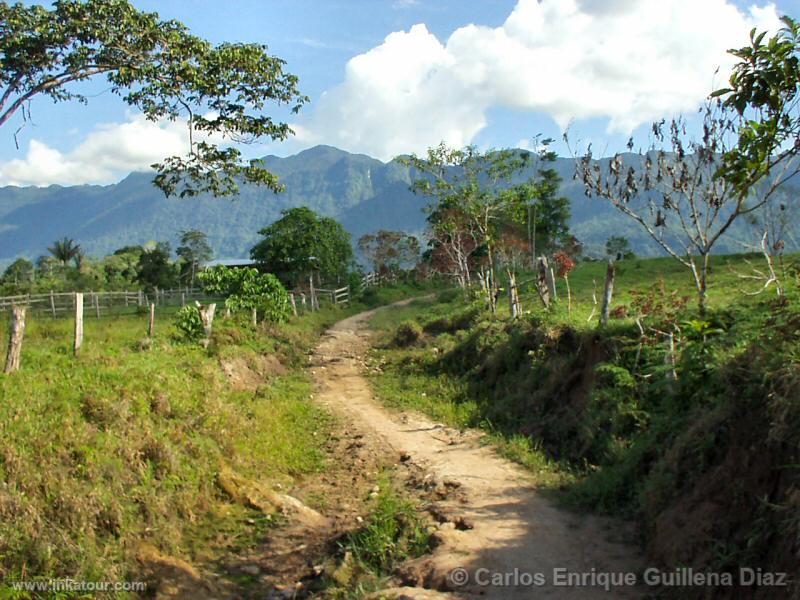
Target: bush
{"x":189,"y":324}
{"x":407,"y":333}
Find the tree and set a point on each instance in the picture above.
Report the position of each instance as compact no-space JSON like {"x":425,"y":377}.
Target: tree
{"x":478,"y":185}
{"x":763,"y":90}
{"x":157,"y":67}
{"x":300,"y":243}
{"x":155,"y":271}
{"x":248,"y":289}
{"x":548,"y":213}
{"x":673,"y":191}
{"x":389,"y":250}
{"x":194,"y":250}
{"x":65,"y":250}
{"x":452,"y":242}
{"x":19,"y":272}
{"x":618,"y":247}
{"x":120,"y":268}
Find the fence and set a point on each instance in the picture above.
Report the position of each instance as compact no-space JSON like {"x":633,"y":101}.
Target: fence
{"x":304,"y":299}
{"x":57,"y":304}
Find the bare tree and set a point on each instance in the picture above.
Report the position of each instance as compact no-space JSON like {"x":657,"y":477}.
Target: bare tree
{"x":674,"y":190}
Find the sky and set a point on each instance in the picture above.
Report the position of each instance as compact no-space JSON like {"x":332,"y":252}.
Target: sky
{"x":389,"y":77}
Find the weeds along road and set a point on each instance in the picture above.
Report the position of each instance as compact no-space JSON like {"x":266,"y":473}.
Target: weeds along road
{"x":504,"y":538}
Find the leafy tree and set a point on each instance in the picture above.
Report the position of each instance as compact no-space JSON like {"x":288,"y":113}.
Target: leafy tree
{"x":46,"y":266}
{"x":65,"y":250}
{"x":763,"y":90}
{"x":120,"y":268}
{"x":619,"y":247}
{"x":389,"y":250}
{"x":301,"y":242}
{"x":157,"y":67}
{"x":194,"y":250}
{"x":477,"y":188}
{"x":247,"y":289}
{"x":155,"y":270}
{"x":452,"y":242}
{"x":19,"y":272}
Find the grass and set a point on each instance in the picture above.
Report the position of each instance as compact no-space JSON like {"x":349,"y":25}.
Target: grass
{"x":122,"y":444}
{"x":726,"y":285}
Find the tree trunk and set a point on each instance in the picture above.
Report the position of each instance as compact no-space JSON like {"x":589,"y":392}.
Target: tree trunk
{"x":605,"y":308}
{"x":15,"y":335}
{"x":703,"y":285}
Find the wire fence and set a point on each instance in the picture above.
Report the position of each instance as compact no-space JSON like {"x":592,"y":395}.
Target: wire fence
{"x":98,"y":304}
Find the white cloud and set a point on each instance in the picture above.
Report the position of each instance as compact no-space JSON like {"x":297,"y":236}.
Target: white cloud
{"x":109,"y":151}
{"x":401,"y":4}
{"x":629,"y":61}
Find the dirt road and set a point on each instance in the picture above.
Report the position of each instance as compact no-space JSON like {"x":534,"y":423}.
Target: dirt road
{"x":498,"y":537}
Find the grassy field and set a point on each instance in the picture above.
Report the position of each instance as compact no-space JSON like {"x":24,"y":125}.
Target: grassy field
{"x":122,"y":445}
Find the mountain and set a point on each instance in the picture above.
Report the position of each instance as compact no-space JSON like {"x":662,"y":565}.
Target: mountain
{"x":363,"y":193}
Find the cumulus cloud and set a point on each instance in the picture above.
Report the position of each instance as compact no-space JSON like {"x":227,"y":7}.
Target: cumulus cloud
{"x":628,"y":61}
{"x":106,"y":153}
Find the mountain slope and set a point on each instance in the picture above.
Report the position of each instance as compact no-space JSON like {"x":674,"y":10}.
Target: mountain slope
{"x":362,"y":192}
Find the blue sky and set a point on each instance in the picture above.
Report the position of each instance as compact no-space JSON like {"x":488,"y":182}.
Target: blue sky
{"x":393,"y":76}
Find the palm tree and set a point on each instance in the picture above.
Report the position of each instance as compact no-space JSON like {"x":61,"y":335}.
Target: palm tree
{"x":65,"y":250}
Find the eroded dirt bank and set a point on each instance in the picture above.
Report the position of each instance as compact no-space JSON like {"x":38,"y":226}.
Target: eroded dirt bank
{"x":498,"y":537}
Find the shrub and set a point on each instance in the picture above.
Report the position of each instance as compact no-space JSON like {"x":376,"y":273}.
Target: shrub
{"x":189,"y":324}
{"x":407,"y":333}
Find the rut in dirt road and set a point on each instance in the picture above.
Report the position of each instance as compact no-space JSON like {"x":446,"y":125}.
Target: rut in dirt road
{"x":497,"y":525}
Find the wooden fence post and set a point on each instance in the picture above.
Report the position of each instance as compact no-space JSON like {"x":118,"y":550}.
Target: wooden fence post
{"x":52,"y":304}
{"x":605,"y":307}
{"x":542,"y":273}
{"x":140,"y":299}
{"x":314,"y":303}
{"x":513,"y":296}
{"x":294,"y":304}
{"x":183,"y":298}
{"x":15,"y":335}
{"x":152,"y":321}
{"x":78,"y":322}
{"x":551,"y":283}
{"x":96,"y":299}
{"x":254,"y":317}
{"x":207,"y":317}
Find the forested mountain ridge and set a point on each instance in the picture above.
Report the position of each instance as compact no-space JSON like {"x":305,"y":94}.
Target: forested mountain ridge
{"x":363,"y":193}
